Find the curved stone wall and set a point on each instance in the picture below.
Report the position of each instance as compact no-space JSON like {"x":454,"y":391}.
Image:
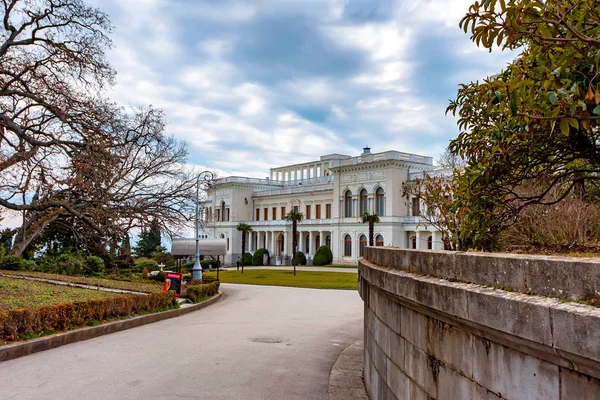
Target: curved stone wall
{"x":430,"y":336}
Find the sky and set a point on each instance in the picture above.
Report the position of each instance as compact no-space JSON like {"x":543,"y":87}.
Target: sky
{"x":251,"y":85}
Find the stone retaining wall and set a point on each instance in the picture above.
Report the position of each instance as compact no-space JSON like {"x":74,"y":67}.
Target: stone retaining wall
{"x":433,"y":338}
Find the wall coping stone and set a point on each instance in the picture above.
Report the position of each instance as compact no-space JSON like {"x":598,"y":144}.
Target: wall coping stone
{"x":570,"y":278}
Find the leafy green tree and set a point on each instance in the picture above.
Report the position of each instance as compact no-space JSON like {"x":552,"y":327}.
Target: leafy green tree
{"x":244,"y":229}
{"x":295,"y":217}
{"x":371,"y":219}
{"x":535,"y":121}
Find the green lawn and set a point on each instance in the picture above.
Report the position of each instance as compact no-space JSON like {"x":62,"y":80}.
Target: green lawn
{"x":307,"y":279}
{"x":20,"y":293}
{"x":136,"y":285}
{"x":332,"y":266}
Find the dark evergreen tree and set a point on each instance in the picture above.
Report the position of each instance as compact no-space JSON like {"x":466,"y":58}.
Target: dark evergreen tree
{"x":149,"y":240}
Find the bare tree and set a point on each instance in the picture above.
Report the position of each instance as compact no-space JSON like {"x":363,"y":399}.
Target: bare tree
{"x":64,"y":149}
{"x":447,"y":160}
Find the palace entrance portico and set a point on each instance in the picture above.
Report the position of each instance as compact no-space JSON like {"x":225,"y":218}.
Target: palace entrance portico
{"x":279,"y":243}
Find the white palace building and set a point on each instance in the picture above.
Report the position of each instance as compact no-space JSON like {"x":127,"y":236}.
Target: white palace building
{"x":332,"y":193}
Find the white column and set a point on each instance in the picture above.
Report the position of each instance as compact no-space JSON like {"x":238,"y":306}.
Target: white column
{"x":272,"y":250}
{"x":316,"y":170}
{"x":310,"y":243}
{"x":418,"y":239}
{"x":285,"y":243}
{"x":321,"y":240}
{"x":300,"y":242}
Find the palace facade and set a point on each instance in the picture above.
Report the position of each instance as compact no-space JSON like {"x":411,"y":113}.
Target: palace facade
{"x":332,"y":193}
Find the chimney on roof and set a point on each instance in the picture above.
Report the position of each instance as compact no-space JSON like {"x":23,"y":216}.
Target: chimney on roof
{"x":366,"y":150}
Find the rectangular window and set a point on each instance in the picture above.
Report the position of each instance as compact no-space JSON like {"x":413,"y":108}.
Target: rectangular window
{"x":218,"y":215}
{"x":282,"y":212}
{"x":327,"y":211}
{"x":318,"y":211}
{"x":295,"y":208}
{"x":416,"y":209}
{"x":258,"y":214}
{"x":307,"y":211}
{"x":227,"y":213}
{"x":274,"y":216}
{"x":266,"y":214}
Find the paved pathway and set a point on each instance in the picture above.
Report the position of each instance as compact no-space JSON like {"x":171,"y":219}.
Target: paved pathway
{"x":287,"y":268}
{"x":208,"y":354}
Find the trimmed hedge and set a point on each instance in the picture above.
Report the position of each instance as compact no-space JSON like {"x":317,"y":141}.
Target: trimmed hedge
{"x":300,"y":258}
{"x":257,"y":258}
{"x":60,"y":317}
{"x":323,"y":256}
{"x":247,"y":260}
{"x":197,"y":292}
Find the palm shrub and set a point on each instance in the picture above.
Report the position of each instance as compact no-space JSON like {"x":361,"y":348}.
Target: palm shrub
{"x":257,"y":258}
{"x":244,"y":229}
{"x":371,"y":219}
{"x":295,"y":217}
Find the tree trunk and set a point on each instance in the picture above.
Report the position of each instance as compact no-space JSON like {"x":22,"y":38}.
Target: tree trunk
{"x":31,"y":231}
{"x":294,"y":245}
{"x":243,"y":250}
{"x":371,"y":230}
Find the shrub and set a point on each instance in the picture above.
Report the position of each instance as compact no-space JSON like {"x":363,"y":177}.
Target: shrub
{"x":257,"y":258}
{"x":17,"y":263}
{"x":300,"y":258}
{"x":23,"y":321}
{"x":70,"y":264}
{"x":2,"y":254}
{"x":94,"y":265}
{"x":160,"y":277}
{"x":145,"y":272}
{"x":150,"y":264}
{"x":323,"y":256}
{"x":205,"y":264}
{"x":188,"y":265}
{"x":197,"y":292}
{"x":247,"y":259}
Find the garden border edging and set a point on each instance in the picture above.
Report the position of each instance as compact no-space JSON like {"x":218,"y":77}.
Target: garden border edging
{"x":21,"y":349}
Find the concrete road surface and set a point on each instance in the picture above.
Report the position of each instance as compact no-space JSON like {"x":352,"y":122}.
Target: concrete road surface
{"x":208,"y":354}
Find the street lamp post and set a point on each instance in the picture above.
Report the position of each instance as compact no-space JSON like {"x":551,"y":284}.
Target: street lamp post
{"x":206,"y":177}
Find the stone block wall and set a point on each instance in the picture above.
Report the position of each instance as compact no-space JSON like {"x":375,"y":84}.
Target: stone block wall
{"x":431,"y":338}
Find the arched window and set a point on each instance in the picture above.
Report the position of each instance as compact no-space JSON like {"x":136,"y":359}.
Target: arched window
{"x":348,"y":204}
{"x":347,"y":246}
{"x":307,"y":244}
{"x":363,"y":201}
{"x":363,"y":244}
{"x":413,"y":242}
{"x":430,"y":242}
{"x":318,"y":242}
{"x":328,"y":241}
{"x":379,"y":240}
{"x":380,"y":202}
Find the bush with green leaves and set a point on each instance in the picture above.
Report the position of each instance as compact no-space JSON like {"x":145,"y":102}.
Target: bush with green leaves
{"x":247,"y":259}
{"x":70,"y":264}
{"x":200,"y":292}
{"x":2,"y":254}
{"x":257,"y":258}
{"x":151,"y":265}
{"x":323,"y":256}
{"x":300,"y":258}
{"x":94,"y":266}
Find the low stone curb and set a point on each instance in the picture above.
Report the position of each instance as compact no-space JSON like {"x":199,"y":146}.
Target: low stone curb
{"x":16,"y":350}
{"x":346,"y":376}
